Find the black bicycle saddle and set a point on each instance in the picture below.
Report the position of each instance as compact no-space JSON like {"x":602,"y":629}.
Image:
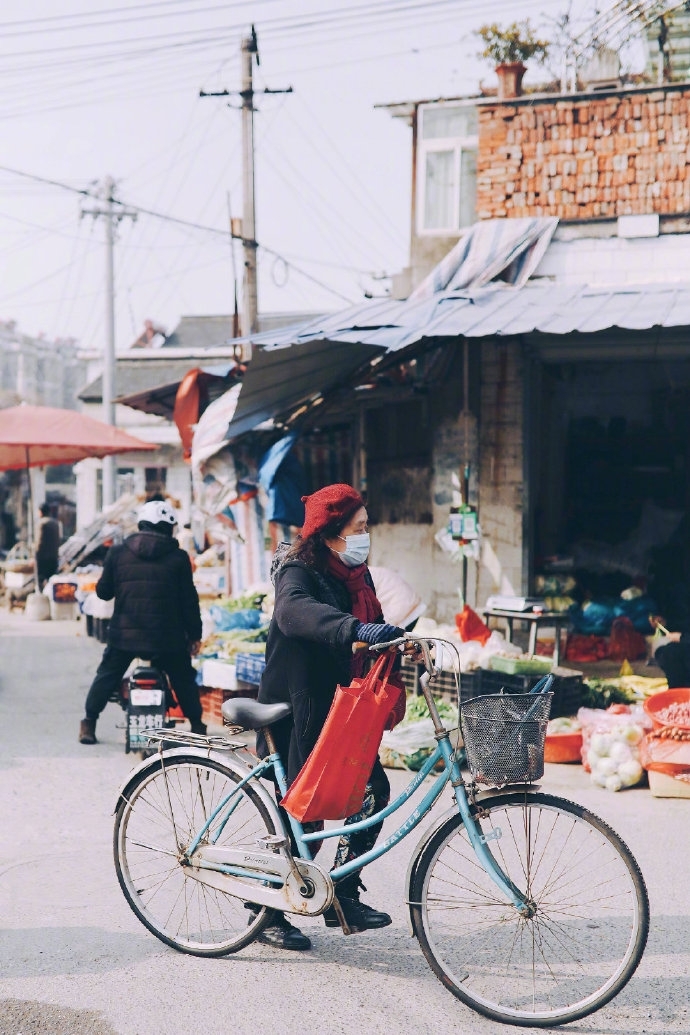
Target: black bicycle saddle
{"x":250,"y":715}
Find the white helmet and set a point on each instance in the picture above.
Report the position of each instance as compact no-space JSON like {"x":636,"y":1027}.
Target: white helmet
{"x":157,"y":512}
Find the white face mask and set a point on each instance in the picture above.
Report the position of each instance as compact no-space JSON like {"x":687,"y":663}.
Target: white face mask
{"x":356,"y":549}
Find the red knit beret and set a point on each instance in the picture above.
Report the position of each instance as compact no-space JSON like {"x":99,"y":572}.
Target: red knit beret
{"x":332,"y":503}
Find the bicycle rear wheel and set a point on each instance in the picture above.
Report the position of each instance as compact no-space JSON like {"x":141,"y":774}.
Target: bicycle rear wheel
{"x":590,"y":911}
{"x":163,"y":812}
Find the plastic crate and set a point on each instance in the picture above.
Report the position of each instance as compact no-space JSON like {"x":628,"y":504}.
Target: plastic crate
{"x":249,"y":668}
{"x":444,"y":685}
{"x":567,"y":687}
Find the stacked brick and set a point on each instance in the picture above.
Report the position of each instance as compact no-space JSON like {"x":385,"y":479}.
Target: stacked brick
{"x":594,"y":157}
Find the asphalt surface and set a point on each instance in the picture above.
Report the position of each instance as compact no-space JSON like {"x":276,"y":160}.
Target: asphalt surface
{"x":74,"y":960}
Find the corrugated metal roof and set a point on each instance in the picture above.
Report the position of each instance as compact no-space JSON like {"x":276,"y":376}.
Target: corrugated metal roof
{"x":498,"y":310}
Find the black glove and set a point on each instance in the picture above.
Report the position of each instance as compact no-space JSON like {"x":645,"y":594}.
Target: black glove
{"x":377,"y":632}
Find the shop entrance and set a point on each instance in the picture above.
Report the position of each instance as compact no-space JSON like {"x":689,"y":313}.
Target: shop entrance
{"x":611,"y":467}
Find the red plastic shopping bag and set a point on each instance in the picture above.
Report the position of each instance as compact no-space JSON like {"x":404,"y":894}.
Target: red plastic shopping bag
{"x":331,"y":783}
{"x":471,"y":627}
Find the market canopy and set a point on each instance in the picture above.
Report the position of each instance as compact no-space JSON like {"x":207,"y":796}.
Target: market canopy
{"x":36,"y":436}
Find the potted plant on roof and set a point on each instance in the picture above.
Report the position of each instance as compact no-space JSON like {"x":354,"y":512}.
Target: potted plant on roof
{"x":508,"y":49}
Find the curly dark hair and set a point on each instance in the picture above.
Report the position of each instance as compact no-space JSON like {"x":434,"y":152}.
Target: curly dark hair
{"x":313,"y":551}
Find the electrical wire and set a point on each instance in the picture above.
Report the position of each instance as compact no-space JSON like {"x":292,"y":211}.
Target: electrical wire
{"x":360,"y":193}
{"x":113,"y":10}
{"x":135,"y":16}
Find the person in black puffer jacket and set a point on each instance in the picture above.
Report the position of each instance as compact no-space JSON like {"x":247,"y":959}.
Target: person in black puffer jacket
{"x":156,"y":615}
{"x":325,"y":602}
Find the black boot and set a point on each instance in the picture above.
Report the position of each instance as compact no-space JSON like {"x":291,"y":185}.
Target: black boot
{"x":199,"y":727}
{"x":279,"y":932}
{"x":359,"y":916}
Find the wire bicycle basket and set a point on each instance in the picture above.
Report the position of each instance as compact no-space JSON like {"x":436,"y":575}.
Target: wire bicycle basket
{"x":504,"y":737}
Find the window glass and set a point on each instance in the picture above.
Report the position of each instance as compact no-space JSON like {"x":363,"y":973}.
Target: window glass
{"x":468,"y":187}
{"x":440,"y":189}
{"x":447,"y":121}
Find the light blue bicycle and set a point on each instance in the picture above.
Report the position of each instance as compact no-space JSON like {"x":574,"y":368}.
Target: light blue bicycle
{"x":527,"y":907}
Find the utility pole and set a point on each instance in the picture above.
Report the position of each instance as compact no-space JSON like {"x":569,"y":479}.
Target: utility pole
{"x":114,"y":213}
{"x":249,"y":49}
{"x":250,"y":301}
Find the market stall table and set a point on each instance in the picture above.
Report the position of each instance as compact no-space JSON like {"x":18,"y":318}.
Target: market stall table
{"x":557,"y":620}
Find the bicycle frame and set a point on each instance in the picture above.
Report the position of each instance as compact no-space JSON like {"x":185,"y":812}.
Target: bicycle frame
{"x":443,"y":751}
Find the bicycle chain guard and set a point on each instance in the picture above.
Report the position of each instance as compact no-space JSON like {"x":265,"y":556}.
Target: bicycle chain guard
{"x":202,"y":867}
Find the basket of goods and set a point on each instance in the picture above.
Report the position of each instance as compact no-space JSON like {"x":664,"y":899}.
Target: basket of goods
{"x":563,"y":740}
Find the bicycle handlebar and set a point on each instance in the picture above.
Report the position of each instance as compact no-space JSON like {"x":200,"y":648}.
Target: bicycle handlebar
{"x":418,"y":645}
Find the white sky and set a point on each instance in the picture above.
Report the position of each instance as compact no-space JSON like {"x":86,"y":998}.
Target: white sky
{"x":96,"y":87}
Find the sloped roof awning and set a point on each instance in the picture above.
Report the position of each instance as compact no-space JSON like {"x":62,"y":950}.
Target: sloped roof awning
{"x":280,"y":379}
{"x":160,"y":399}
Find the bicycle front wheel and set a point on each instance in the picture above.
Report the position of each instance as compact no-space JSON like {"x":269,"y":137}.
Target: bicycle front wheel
{"x":154,"y":826}
{"x":587,"y":899}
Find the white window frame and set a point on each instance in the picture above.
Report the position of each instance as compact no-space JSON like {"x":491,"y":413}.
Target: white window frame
{"x":424,"y":147}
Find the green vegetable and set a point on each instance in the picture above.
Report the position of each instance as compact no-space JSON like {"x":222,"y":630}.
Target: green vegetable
{"x":598,"y":693}
{"x":417,"y":709}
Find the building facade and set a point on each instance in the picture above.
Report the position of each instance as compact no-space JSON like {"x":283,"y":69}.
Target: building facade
{"x":581,"y":434}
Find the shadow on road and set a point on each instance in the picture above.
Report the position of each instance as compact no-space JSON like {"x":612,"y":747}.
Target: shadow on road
{"x":47,"y":951}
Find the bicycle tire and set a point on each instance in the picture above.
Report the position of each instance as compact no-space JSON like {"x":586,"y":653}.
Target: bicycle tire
{"x":568,"y":960}
{"x":179,"y":910}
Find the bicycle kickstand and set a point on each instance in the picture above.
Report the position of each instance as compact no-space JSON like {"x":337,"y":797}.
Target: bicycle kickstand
{"x":341,"y":916}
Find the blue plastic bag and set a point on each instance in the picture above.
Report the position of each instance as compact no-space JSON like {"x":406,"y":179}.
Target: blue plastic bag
{"x":224,"y":620}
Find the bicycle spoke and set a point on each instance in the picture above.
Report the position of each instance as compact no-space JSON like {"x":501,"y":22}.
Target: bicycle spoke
{"x":164,"y":814}
{"x":580,"y":935}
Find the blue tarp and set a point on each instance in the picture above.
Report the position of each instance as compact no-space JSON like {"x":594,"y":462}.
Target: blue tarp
{"x":282,"y":478}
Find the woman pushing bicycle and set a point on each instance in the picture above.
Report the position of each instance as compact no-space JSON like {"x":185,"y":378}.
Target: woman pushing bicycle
{"x":325,"y":602}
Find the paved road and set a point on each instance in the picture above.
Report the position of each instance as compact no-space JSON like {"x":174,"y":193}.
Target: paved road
{"x":74,"y":959}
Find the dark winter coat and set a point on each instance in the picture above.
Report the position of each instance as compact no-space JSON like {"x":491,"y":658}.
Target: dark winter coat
{"x":156,"y":602}
{"x":48,"y":540}
{"x":308,"y":653}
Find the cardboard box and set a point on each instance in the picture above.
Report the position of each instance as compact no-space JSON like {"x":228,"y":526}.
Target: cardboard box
{"x":663,"y":786}
{"x":219,"y":674}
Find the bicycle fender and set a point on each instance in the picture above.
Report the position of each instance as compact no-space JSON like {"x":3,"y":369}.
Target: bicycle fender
{"x":416,"y":855}
{"x":224,"y":758}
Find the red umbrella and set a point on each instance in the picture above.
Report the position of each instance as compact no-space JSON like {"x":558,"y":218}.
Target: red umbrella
{"x":38,"y":436}
{"x":42,"y":436}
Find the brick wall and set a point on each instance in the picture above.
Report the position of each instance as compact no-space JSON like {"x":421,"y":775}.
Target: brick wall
{"x":586,"y":157}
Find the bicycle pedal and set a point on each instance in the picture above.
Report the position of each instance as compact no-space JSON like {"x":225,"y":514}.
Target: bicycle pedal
{"x":273,"y":842}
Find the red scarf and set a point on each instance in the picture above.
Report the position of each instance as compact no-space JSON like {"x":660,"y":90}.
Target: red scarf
{"x":365,"y":604}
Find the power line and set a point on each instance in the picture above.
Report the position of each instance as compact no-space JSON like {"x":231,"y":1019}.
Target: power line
{"x":83,"y":192}
{"x":112,"y":10}
{"x":361,"y":15}
{"x":138,"y":17}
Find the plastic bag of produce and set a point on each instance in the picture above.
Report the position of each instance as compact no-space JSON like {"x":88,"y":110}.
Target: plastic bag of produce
{"x":625,"y":642}
{"x":408,"y":746}
{"x":667,"y":751}
{"x":611,"y":742}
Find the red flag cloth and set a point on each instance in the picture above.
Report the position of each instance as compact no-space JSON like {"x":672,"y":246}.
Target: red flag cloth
{"x":332,"y":782}
{"x":188,"y":408}
{"x":471,"y":627}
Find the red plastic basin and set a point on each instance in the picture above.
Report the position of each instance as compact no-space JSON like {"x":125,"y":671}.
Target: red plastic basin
{"x":657,"y":702}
